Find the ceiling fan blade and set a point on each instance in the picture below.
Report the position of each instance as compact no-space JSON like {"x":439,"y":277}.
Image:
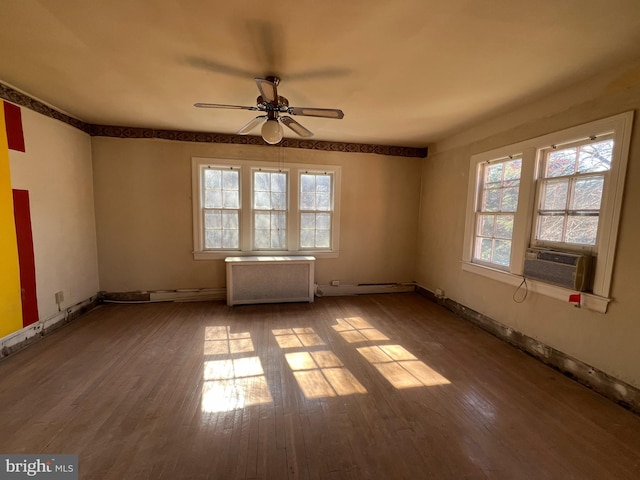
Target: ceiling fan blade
{"x":316,"y":112}
{"x":251,"y":124}
{"x":220,"y":105}
{"x":268,"y":90}
{"x":296,"y":127}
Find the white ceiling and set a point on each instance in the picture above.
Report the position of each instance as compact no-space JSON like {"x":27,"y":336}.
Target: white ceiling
{"x":405,"y":72}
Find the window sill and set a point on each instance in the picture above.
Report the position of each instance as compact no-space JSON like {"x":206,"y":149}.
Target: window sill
{"x":589,"y":301}
{"x":221,"y":255}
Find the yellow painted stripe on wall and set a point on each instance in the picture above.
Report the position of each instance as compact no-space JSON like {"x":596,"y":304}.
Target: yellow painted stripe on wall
{"x":10,"y":304}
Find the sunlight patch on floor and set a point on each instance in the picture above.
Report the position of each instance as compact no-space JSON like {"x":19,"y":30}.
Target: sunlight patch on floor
{"x":231,"y":379}
{"x":400,"y":367}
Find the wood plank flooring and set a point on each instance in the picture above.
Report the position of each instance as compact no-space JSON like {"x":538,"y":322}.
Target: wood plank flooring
{"x":380,"y":386}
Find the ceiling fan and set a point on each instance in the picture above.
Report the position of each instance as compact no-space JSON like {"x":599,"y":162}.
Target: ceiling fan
{"x":273,"y":105}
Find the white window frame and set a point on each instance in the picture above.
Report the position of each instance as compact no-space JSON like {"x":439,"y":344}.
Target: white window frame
{"x":331,"y":209}
{"x":246,"y":168}
{"x":540,"y":179}
{"x":479,"y":212}
{"x":620,"y":126}
{"x":255,"y":210}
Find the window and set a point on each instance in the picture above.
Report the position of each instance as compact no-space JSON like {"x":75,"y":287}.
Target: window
{"x":562,"y":191}
{"x":497,"y":204}
{"x":269,"y":210}
{"x":247,"y":208}
{"x":315,"y":210}
{"x":221,"y":209}
{"x":569,"y":193}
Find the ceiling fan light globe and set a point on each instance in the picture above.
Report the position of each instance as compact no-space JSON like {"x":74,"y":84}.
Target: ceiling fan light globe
{"x":272,"y":131}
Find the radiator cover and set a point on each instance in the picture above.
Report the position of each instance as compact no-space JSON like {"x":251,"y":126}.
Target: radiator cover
{"x":270,"y":279}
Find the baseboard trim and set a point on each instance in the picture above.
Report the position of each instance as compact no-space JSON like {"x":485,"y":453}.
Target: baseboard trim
{"x":184,"y":295}
{"x":32,"y":333}
{"x":610,"y":387}
{"x":363,"y":289}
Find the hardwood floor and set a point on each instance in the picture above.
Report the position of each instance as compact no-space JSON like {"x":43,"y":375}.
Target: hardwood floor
{"x":380,"y":386}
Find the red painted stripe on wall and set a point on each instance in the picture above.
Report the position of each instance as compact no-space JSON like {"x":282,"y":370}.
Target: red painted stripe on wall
{"x":13,"y":121}
{"x":26,"y":258}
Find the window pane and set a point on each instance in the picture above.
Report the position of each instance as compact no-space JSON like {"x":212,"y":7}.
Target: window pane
{"x":308,"y":221}
{"x":504,"y":226}
{"x":491,"y":201}
{"x":278,"y":220}
{"x":595,"y":157}
{"x":212,"y":220}
{"x":323,"y":183}
{"x":270,"y":229}
{"x":261,"y":181}
{"x":230,"y":220}
{"x":263,"y":220}
{"x":230,"y":180}
{"x":502,"y":252}
{"x":212,"y":198}
{"x":587,"y":193}
{"x":279,"y":201}
{"x":230,"y":239}
{"x":323,"y":201}
{"x":494,"y":173}
{"x":509,"y":199}
{"x":308,"y":201}
{"x":485,"y":225}
{"x":278,"y":239}
{"x":555,"y":195}
{"x":307,"y":183}
{"x":262,"y":200}
{"x":231,"y":199}
{"x":512,"y":169}
{"x":262,"y":238}
{"x":307,"y":238}
{"x":561,"y":162}
{"x":213,"y":239}
{"x":323,"y":239}
{"x":582,"y":230}
{"x":484,"y":248}
{"x":212,"y":178}
{"x":278,"y":182}
{"x":323,"y":221}
{"x":550,"y":227}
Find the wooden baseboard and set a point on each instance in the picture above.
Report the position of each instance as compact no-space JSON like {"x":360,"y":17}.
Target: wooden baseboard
{"x":362,"y":289}
{"x":32,"y":333}
{"x":186,"y":295}
{"x":614,"y":389}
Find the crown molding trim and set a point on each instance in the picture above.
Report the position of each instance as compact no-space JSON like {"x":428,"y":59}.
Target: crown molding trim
{"x":14,"y":96}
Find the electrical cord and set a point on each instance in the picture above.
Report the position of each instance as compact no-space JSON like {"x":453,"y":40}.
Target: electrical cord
{"x":526,"y":291}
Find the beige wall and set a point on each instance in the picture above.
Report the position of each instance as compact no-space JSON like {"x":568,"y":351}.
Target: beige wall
{"x":608,"y":341}
{"x":56,"y":170}
{"x":144,"y":217}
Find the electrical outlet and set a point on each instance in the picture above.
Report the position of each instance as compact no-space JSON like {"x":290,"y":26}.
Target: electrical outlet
{"x":335,"y":283}
{"x":59,"y":297}
{"x":439,"y":293}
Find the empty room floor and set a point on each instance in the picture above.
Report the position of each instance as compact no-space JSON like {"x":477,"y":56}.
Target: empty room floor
{"x":376,"y":386}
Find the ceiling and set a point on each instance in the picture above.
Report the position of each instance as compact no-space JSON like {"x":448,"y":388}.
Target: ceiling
{"x":405,"y":72}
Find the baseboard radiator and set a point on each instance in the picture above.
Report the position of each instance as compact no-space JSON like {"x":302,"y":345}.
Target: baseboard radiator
{"x":267,"y":279}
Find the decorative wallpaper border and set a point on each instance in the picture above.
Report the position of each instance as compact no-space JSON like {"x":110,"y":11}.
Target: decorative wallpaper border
{"x":19,"y":98}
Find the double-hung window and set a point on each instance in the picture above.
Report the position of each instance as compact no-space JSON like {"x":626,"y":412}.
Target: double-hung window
{"x":316,"y":205}
{"x":495,"y":212}
{"x":562,"y":191}
{"x":243,"y":207}
{"x":270,"y":190}
{"x":221,"y":207}
{"x":570,"y":186}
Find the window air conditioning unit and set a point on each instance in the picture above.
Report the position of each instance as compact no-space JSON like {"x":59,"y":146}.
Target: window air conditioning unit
{"x":569,"y":270}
